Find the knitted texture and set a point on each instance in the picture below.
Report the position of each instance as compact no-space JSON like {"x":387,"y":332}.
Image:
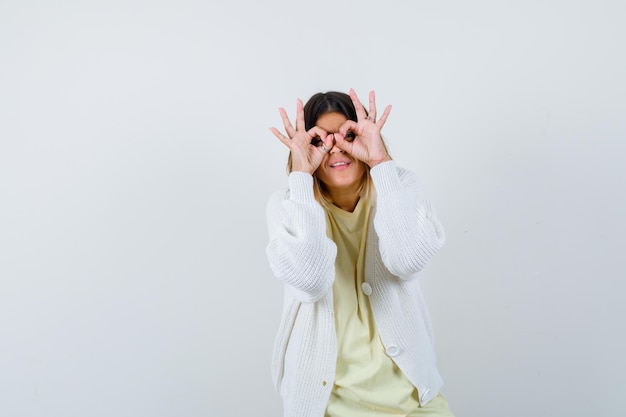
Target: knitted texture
{"x":403,"y":236}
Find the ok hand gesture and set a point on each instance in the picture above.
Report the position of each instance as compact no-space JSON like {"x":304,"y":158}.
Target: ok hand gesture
{"x":308,"y":148}
{"x":367,"y":144}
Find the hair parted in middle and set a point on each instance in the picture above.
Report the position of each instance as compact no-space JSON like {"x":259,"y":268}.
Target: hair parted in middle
{"x":316,"y":106}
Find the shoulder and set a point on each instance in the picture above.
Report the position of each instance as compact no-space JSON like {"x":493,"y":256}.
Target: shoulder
{"x":390,"y":178}
{"x":406,"y":174}
{"x":408,"y":178}
{"x":277,"y":197}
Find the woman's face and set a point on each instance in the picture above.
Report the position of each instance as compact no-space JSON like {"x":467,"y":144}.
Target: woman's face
{"x":338,"y":171}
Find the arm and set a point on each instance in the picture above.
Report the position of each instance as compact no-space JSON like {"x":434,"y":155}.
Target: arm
{"x":299,"y":252}
{"x":408,"y":230}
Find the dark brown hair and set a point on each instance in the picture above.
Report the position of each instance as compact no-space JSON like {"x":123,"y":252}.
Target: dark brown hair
{"x":330,"y":102}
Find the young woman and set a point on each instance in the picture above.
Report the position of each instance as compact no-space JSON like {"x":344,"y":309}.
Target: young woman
{"x":349,"y":238}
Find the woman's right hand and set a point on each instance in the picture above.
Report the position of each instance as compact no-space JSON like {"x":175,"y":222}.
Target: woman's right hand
{"x":308,"y":148}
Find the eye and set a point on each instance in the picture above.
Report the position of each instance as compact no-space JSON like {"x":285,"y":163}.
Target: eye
{"x":316,"y":141}
{"x":350,"y":136}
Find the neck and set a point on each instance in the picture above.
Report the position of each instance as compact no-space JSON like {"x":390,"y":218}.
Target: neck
{"x":345,"y":198}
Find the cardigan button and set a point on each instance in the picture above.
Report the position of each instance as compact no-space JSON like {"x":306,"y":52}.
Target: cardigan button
{"x":367,"y":288}
{"x":393,"y":350}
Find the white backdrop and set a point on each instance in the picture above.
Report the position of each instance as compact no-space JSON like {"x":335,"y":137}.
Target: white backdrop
{"x":136,"y":162}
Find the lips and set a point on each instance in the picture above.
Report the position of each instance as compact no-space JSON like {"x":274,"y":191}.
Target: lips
{"x":339,"y":164}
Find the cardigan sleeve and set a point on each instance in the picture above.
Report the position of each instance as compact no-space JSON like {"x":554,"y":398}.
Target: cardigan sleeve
{"x":405,"y":221}
{"x":299,"y":252}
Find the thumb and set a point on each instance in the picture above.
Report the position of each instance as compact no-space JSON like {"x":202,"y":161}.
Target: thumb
{"x":342,"y":143}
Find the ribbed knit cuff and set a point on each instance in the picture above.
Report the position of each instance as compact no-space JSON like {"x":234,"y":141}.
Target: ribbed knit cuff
{"x":301,"y":186}
{"x":385,"y":177}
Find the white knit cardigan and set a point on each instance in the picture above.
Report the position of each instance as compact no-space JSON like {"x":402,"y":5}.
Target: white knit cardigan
{"x":407,"y":235}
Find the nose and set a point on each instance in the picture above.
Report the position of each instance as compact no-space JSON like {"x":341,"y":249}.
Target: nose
{"x":335,"y":148}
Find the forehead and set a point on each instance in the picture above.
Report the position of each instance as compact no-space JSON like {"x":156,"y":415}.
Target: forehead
{"x":331,"y":122}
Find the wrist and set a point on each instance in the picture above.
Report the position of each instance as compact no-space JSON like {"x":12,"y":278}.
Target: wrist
{"x":301,"y":168}
{"x":375,"y":162}
{"x":304,"y":171}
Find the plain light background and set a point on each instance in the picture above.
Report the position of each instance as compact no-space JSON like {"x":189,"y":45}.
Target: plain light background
{"x":136,"y":162}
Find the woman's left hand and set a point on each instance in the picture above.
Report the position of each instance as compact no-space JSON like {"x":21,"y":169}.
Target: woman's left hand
{"x":366,"y":144}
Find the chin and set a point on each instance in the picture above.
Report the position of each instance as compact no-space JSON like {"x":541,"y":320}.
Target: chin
{"x":345,"y":181}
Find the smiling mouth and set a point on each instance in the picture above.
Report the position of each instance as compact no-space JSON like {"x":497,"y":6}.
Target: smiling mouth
{"x":338,"y":164}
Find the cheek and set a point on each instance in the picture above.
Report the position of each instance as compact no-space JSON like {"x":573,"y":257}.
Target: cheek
{"x":361,"y":168}
{"x":320,"y":172}
{"x":322,"y":165}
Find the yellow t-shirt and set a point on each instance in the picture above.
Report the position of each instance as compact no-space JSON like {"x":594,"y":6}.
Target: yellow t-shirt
{"x":367,"y":381}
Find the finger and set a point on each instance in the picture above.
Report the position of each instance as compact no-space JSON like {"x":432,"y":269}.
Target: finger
{"x":327,"y":143}
{"x":314,"y":132}
{"x":320,"y":133}
{"x":372,"y":114}
{"x":342,"y":143}
{"x":360,"y":111}
{"x":280,"y":136}
{"x":300,"y":116}
{"x":383,"y":118}
{"x":286,"y":122}
{"x":318,"y":153}
{"x":348,"y":126}
{"x":317,"y":131}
